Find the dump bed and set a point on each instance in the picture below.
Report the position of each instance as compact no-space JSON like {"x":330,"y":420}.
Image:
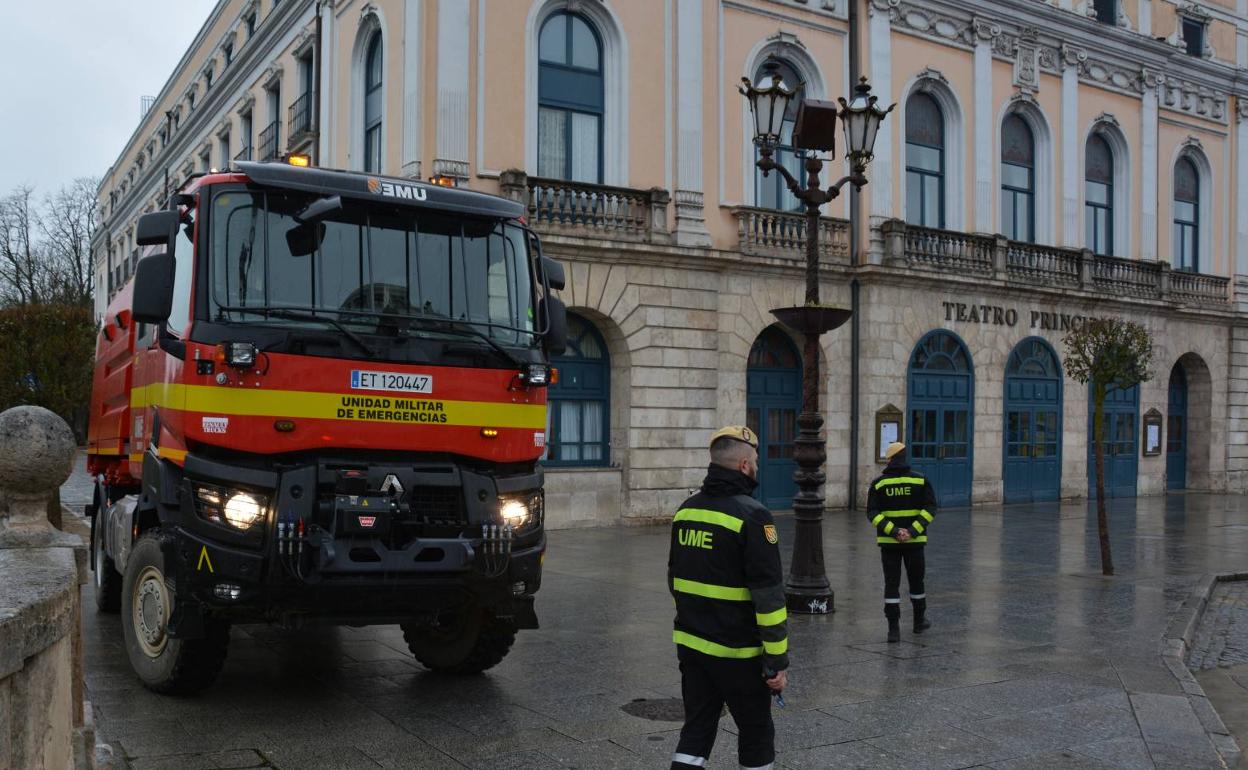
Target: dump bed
{"x":108,"y":437}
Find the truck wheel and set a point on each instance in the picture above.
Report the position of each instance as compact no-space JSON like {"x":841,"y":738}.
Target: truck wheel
{"x":469,"y":643}
{"x":164,"y":664}
{"x":107,"y":578}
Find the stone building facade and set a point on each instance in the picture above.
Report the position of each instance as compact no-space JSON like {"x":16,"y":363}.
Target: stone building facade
{"x":1047,"y":162}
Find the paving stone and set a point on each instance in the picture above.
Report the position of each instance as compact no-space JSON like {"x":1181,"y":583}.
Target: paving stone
{"x":856,"y":755}
{"x":217,"y":760}
{"x":938,"y":748}
{"x":1057,"y":760}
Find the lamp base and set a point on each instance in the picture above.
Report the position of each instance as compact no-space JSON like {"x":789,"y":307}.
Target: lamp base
{"x":812,"y":319}
{"x":808,"y":601}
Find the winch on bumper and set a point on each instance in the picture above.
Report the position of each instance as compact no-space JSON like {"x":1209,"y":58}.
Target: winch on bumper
{"x":355,"y":541}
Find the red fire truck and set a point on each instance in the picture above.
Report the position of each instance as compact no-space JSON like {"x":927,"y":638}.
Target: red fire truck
{"x":323,"y":399}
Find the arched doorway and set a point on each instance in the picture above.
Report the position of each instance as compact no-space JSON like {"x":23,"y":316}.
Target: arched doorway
{"x":1033,"y":423}
{"x":942,"y":387}
{"x":773,"y":400}
{"x":1176,"y":430}
{"x":1122,"y":415}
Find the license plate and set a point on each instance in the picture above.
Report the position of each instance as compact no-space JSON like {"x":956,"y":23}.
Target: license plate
{"x":397,"y":382}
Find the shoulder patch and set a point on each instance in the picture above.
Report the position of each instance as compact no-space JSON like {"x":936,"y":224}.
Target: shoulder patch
{"x":769,"y":530}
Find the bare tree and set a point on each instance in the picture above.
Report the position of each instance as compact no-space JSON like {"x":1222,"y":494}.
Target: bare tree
{"x":24,"y":279}
{"x":67,"y":223}
{"x":1108,"y":353}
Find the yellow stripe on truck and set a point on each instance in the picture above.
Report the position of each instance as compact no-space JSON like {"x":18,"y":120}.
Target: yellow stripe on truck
{"x":410,"y":410}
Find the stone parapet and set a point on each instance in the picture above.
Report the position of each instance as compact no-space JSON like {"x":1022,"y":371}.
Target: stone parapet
{"x":42,"y":719}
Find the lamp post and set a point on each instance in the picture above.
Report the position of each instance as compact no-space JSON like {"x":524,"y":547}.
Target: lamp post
{"x":807,"y":588}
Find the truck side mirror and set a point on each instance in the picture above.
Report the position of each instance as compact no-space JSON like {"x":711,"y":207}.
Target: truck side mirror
{"x":553,"y":272}
{"x":554,"y":316}
{"x":153,"y":288}
{"x":159,"y":228}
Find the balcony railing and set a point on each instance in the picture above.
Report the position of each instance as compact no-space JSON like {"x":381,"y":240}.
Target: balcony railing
{"x":300,"y":119}
{"x":772,"y":233}
{"x":590,"y":210}
{"x":268,"y":141}
{"x":987,"y":256}
{"x":243,"y":154}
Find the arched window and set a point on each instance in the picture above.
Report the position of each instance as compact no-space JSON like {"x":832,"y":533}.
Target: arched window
{"x":372,"y":105}
{"x":1033,"y":357}
{"x":1018,"y":180}
{"x":570,"y":100}
{"x":770,"y":192}
{"x":578,"y":414}
{"x":1186,"y":216}
{"x":925,"y":162}
{"x":1098,"y":195}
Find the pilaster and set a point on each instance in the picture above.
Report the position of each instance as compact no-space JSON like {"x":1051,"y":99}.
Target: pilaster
{"x":690,"y":118}
{"x":1071,"y":235}
{"x":985,"y":32}
{"x":1241,"y":186}
{"x":1237,"y":395}
{"x":454,"y":45}
{"x":879,"y":27}
{"x":1148,"y":165}
{"x":412,"y":74}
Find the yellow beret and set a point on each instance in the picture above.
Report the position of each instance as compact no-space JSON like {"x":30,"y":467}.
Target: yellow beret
{"x":893,"y":449}
{"x":737,"y":432}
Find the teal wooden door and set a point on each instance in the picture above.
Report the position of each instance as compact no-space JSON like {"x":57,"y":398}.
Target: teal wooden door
{"x":1176,"y":430}
{"x":773,"y":400}
{"x":941,"y":415}
{"x":1121,"y":439}
{"x":1032,"y":469}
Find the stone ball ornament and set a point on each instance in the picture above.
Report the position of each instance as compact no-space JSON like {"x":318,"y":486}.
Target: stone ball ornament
{"x":37,"y":451}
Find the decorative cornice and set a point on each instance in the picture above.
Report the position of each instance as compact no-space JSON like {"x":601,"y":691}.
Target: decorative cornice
{"x":246,"y":104}
{"x":1191,"y":143}
{"x":928,"y":78}
{"x":1241,"y":109}
{"x":271,"y":75}
{"x":1105,"y":119}
{"x":985,"y":29}
{"x":786,"y":38}
{"x":223,"y":128}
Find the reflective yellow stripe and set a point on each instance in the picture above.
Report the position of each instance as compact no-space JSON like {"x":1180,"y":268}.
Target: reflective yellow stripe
{"x":897,"y":480}
{"x":926,"y":515}
{"x":772,"y":618}
{"x":717,"y":518}
{"x":918,"y":526}
{"x":728,"y":593}
{"x":895,"y":541}
{"x":711,"y":648}
{"x":888,"y":528}
{"x":213,"y":399}
{"x":876,"y":521}
{"x":172,"y":454}
{"x":904,"y":513}
{"x":882,"y":539}
{"x":776,"y":648}
{"x":103,"y":451}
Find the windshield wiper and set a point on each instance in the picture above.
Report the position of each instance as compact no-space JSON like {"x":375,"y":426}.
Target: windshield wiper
{"x":455,"y":326}
{"x":298,"y":315}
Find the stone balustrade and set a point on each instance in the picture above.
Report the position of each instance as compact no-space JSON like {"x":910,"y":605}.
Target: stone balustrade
{"x":772,"y":233}
{"x":561,"y":207}
{"x":43,"y":721}
{"x":978,"y":255}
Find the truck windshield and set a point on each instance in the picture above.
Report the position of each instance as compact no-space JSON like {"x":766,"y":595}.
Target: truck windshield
{"x":368,"y":267}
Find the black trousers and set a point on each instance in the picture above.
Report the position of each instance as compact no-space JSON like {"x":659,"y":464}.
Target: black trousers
{"x":893,"y":558}
{"x":707,"y":683}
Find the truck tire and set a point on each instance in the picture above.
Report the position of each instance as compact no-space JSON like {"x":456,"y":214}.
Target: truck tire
{"x":164,"y":664}
{"x":469,"y":644}
{"x":107,"y":580}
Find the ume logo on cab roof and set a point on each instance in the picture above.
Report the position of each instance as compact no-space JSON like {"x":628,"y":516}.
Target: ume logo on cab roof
{"x":393,"y":190}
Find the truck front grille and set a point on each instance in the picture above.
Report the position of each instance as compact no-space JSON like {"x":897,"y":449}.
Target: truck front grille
{"x":437,"y":505}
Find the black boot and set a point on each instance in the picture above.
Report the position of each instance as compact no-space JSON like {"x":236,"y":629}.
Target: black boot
{"x":921,"y":623}
{"x":893,"y":613}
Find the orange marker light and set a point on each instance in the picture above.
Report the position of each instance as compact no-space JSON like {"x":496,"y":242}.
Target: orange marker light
{"x":489,"y":433}
{"x":303,"y":161}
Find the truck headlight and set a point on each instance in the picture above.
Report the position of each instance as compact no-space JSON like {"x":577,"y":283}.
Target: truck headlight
{"x":521,"y":511}
{"x":234,"y":508}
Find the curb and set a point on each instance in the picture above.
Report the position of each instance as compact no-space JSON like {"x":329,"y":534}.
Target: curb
{"x":1175,"y":646}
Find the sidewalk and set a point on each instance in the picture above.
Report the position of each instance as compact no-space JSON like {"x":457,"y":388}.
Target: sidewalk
{"x":1035,"y":661}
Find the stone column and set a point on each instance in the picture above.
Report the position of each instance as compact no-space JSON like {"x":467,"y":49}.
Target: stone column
{"x":1148,"y":165}
{"x":454,"y":46}
{"x":1237,"y":396}
{"x":1072,"y":237}
{"x":41,"y":670}
{"x":413,"y":73}
{"x":879,"y":26}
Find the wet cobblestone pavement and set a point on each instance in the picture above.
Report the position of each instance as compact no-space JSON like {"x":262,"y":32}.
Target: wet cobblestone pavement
{"x":1222,"y":638}
{"x":1035,"y":661}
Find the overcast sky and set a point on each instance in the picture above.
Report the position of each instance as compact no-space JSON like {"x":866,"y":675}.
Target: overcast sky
{"x":71,"y":74}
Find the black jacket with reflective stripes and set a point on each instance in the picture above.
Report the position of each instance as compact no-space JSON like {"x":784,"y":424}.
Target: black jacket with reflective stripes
{"x":723,"y":569}
{"x":901,"y":498}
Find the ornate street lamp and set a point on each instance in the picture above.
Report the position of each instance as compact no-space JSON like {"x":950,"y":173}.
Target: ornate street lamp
{"x":807,"y":587}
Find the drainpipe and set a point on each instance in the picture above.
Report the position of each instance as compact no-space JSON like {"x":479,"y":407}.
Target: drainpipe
{"x":855,"y":213}
{"x":316,"y":90}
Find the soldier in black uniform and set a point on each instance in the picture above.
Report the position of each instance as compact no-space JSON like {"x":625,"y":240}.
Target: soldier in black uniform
{"x":731,"y":630}
{"x":901,"y":505}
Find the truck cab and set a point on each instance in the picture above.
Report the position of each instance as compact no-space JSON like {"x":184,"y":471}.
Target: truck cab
{"x":322,"y":399}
